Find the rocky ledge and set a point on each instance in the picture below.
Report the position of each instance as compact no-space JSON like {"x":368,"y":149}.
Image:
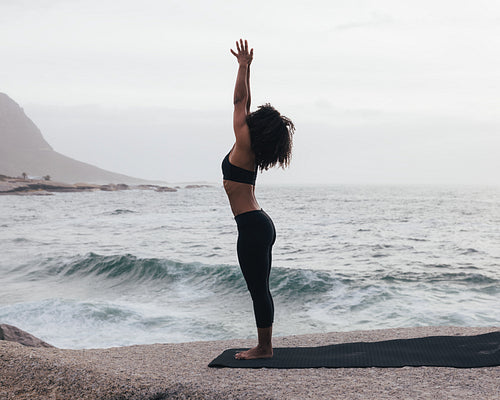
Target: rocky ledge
{"x":180,"y":371}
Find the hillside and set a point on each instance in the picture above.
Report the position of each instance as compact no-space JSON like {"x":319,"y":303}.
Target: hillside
{"x":23,"y":149}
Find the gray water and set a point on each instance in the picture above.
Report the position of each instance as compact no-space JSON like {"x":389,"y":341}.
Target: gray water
{"x":103,"y":269}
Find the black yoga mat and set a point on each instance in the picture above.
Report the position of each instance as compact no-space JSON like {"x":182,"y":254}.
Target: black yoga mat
{"x":433,"y":351}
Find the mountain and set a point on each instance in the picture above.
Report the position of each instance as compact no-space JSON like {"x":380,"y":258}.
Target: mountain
{"x":23,"y":149}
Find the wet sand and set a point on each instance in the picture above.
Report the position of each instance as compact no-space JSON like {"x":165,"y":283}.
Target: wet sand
{"x":180,"y":371}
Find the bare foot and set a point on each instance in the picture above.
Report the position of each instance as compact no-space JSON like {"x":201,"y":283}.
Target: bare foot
{"x":256,"y":352}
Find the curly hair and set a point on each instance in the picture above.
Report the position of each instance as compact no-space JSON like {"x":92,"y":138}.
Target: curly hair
{"x":271,"y":136}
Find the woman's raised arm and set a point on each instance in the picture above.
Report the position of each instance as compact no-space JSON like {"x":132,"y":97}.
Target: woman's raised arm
{"x":242,"y":87}
{"x":242,"y":98}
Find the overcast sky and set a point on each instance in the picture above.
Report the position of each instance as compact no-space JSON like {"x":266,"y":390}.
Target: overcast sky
{"x":384,"y":91}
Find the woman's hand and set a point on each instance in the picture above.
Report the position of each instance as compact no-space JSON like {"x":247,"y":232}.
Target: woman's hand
{"x":243,"y":56}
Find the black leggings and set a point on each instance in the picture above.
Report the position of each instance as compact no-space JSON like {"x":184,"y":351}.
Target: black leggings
{"x":256,"y":236}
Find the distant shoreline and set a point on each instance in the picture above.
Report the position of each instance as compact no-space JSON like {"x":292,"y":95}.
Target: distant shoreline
{"x":41,"y":187}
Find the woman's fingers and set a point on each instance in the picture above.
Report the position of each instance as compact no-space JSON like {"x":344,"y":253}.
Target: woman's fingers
{"x":242,"y":48}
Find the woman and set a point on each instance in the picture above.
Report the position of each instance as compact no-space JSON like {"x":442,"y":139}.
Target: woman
{"x":263,"y":139}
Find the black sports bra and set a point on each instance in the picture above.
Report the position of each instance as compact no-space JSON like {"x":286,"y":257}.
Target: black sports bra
{"x":237,"y":174}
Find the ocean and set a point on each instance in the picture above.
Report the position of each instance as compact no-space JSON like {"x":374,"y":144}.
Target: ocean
{"x":103,"y":269}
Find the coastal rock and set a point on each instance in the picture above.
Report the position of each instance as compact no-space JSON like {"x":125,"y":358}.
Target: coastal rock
{"x":21,"y":186}
{"x":165,"y":189}
{"x":10,"y":185}
{"x":156,"y":188}
{"x":14,"y":334}
{"x":146,"y":187}
{"x":196,"y":186}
